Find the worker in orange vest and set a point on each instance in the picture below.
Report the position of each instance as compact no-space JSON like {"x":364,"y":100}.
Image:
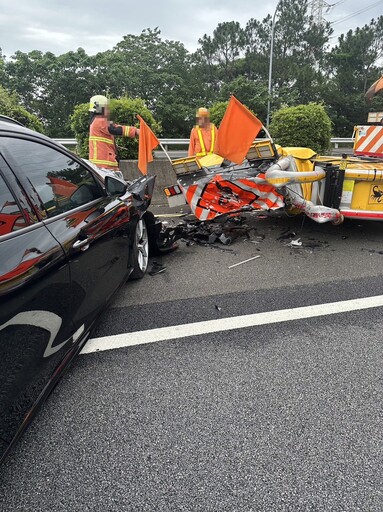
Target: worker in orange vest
{"x":204,"y":136}
{"x":102,"y":146}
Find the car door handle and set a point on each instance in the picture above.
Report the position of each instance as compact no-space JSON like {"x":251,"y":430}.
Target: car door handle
{"x":81,"y":244}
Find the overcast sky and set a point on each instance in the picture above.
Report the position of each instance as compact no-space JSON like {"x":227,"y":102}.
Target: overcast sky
{"x":98,"y":25}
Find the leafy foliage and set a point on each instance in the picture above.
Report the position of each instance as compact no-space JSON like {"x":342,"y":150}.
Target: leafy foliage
{"x":123,"y":112}
{"x":234,"y":59}
{"x":302,"y":126}
{"x":217,"y":111}
{"x":9,"y":106}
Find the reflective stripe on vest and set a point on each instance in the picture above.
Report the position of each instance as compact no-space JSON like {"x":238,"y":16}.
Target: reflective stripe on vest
{"x":103,"y":162}
{"x":202,"y":143}
{"x":101,"y":139}
{"x":126,"y":131}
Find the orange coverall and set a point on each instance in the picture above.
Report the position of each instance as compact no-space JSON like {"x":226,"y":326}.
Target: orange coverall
{"x":102,"y":147}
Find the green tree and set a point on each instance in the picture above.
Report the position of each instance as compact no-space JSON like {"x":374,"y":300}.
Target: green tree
{"x":50,"y":86}
{"x":217,"y":111}
{"x":251,"y":93}
{"x":10,"y":106}
{"x":155,"y":70}
{"x":302,"y":126}
{"x":353,"y":65}
{"x":123,"y":111}
{"x":3,"y":75}
{"x":299,"y":53}
{"x":204,"y":68}
{"x":229,"y":40}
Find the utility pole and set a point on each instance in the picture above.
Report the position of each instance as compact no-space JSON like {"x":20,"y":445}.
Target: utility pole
{"x":270,"y":88}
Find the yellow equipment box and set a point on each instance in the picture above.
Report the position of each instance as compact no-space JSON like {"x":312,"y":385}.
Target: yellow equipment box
{"x":260,"y":150}
{"x":186,"y":165}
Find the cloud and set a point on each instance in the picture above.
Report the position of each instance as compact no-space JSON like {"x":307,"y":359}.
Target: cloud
{"x":96,"y":25}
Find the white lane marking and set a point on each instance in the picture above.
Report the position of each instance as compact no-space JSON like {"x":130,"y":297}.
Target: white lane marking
{"x":246,"y":261}
{"x":173,"y":332}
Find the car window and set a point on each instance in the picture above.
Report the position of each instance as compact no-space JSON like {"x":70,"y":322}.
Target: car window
{"x":11,"y":217}
{"x":61,"y":183}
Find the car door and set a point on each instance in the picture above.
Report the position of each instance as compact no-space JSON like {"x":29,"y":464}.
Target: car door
{"x":92,"y":227}
{"x":36,"y":329}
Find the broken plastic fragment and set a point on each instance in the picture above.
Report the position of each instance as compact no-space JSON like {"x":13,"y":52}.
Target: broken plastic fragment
{"x":295,"y":243}
{"x":226,"y":240}
{"x":157,"y":268}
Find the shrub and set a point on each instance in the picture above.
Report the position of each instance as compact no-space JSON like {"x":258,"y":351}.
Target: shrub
{"x":302,"y":126}
{"x":122,"y":111}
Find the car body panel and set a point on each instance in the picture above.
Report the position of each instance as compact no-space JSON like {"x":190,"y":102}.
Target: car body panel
{"x":57,"y":272}
{"x":34,"y":272}
{"x":99,"y":266}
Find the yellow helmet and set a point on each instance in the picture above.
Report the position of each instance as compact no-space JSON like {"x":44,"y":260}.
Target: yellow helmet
{"x":202,"y":112}
{"x":97,"y":103}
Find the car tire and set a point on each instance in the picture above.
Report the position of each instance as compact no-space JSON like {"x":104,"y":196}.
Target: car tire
{"x":154,"y":228}
{"x":140,"y":250}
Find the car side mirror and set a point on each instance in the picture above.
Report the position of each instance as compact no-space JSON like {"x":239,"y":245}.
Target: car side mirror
{"x":115,"y":187}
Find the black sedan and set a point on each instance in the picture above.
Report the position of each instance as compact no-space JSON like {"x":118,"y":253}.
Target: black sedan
{"x":69,"y":238}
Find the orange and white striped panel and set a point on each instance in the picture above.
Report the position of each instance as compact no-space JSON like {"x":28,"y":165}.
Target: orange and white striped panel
{"x":369,"y":141}
{"x":209,"y":198}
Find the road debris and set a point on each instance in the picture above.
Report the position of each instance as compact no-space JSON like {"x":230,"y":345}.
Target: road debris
{"x":224,"y":230}
{"x":295,"y":243}
{"x":245,"y":261}
{"x":286,"y":235}
{"x":157,"y":268}
{"x":372,"y":251}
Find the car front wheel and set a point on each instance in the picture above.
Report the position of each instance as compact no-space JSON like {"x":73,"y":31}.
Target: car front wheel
{"x":140,"y":251}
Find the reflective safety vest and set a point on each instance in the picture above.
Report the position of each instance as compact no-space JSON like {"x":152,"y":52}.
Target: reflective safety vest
{"x":102,"y":147}
{"x":203,"y":151}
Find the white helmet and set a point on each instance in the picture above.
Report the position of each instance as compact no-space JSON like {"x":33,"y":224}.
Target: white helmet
{"x":97,"y":103}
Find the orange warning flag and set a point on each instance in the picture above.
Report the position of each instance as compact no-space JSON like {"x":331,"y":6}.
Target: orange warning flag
{"x":146,"y":143}
{"x":238,"y":129}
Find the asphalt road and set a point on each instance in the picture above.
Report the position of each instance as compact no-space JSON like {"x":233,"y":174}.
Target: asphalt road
{"x":280,"y":417}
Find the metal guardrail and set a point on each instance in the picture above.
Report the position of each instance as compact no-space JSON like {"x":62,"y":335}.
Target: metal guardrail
{"x":181,"y":142}
{"x":342,"y":141}
{"x":66,"y":142}
{"x":179,"y":153}
{"x":164,"y":142}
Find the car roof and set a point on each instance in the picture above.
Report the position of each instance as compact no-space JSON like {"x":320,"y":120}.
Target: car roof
{"x":10,"y":120}
{"x":8,"y":127}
